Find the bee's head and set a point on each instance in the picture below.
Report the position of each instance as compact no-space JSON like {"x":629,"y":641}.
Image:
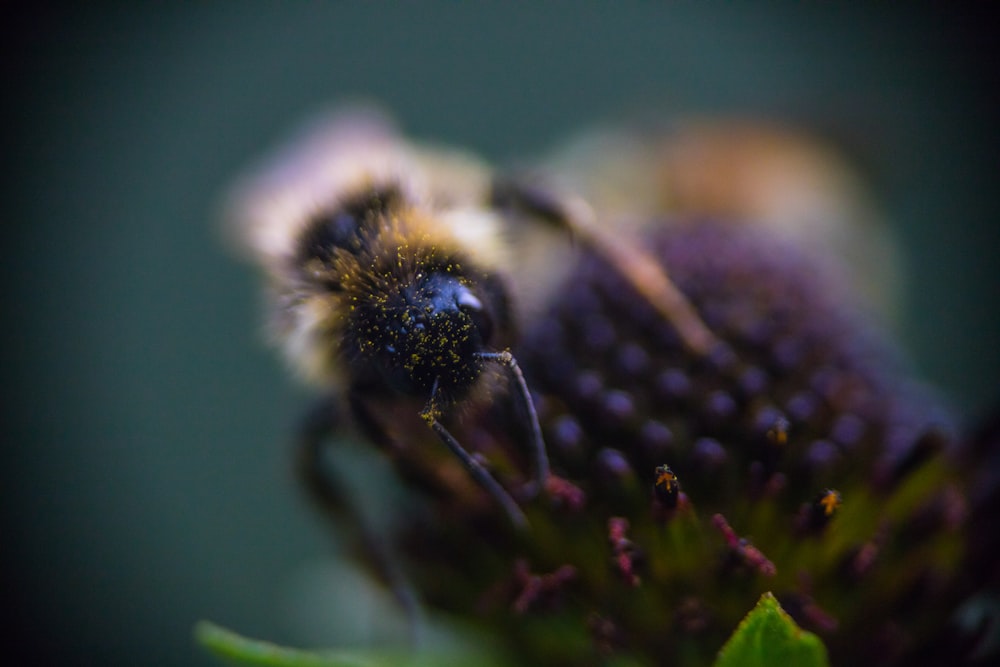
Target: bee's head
{"x":426,"y":331}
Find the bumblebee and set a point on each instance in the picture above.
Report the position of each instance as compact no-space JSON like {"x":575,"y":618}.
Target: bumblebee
{"x":387,"y":284}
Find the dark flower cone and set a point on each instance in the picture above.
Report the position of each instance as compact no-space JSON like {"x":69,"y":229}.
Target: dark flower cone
{"x":795,"y":457}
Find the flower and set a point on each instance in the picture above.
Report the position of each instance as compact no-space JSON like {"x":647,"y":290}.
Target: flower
{"x":811,"y":466}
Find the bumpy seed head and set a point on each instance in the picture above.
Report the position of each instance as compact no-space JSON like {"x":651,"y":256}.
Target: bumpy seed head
{"x":812,"y":467}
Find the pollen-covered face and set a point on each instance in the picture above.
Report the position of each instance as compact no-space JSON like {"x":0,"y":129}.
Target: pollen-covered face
{"x":424,"y":333}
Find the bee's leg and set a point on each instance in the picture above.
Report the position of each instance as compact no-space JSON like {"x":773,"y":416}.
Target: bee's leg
{"x":324,"y":487}
{"x":537,"y":442}
{"x":519,"y":195}
{"x":363,"y":418}
{"x":482,"y":476}
{"x":413,"y":472}
{"x":646,"y":275}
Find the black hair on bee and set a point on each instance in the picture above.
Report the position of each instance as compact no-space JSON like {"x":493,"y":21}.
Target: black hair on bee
{"x":387,"y":279}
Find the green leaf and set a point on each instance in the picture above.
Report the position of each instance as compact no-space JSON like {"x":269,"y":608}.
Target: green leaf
{"x":768,"y":636}
{"x":238,"y":649}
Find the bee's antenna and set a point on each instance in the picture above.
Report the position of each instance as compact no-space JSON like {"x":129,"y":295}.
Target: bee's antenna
{"x":430,"y":414}
{"x":537,"y":443}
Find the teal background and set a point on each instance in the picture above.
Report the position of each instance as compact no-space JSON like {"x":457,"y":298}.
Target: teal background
{"x":146,"y":480}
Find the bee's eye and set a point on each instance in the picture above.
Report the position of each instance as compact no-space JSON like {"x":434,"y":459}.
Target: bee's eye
{"x":342,"y":227}
{"x":336,"y":229}
{"x":469,"y":304}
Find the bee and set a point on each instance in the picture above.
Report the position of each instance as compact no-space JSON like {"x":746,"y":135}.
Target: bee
{"x":388,"y":284}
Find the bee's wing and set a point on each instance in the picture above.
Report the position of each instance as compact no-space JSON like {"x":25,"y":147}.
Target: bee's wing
{"x":793,"y":184}
{"x":787,"y":183}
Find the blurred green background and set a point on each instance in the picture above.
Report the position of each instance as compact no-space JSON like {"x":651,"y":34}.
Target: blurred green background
{"x":146,"y":477}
